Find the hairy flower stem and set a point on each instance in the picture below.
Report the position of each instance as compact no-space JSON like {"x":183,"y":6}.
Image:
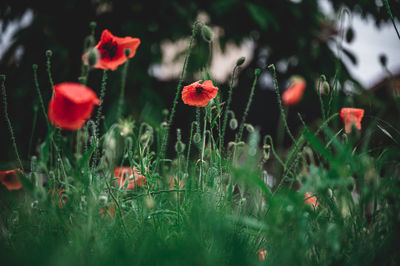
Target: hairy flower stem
{"x":35,"y":78}
{"x":257,"y":73}
{"x":122,"y":92}
{"x":323,"y":78}
{"x":228,"y":102}
{"x":389,"y":11}
{"x":178,"y":90}
{"x":202,"y":151}
{"x":3,"y":89}
{"x":98,"y":116}
{"x":48,"y":68}
{"x":272,"y":68}
{"x":189,"y":146}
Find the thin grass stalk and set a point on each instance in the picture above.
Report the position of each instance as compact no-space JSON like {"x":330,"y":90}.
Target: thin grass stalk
{"x":3,"y":88}
{"x":389,"y":11}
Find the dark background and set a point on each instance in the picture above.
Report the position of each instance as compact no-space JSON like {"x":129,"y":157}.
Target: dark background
{"x":284,"y":28}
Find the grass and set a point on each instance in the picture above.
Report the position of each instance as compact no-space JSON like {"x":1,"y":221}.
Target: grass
{"x":225,"y":212}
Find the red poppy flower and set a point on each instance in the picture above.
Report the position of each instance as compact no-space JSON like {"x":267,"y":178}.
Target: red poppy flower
{"x":310,"y":200}
{"x":10,"y":179}
{"x":112,"y":50}
{"x":135,"y":179}
{"x":293,"y":94}
{"x":199,"y":95}
{"x":350,"y":117}
{"x":71,"y":105}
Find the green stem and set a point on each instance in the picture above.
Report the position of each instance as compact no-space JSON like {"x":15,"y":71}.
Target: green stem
{"x":257,"y":73}
{"x":202,"y":151}
{"x":35,"y":78}
{"x":3,"y":88}
{"x":322,"y":77}
{"x":272,"y":68}
{"x":48,"y":68}
{"x":98,"y":116}
{"x":228,"y":102}
{"x":178,"y":90}
{"x":122,"y":92}
{"x":189,"y":145}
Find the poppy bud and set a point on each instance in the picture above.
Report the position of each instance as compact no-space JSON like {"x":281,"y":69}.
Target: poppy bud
{"x":383,"y":60}
{"x":164,"y":125}
{"x":34,"y":67}
{"x":326,"y":89}
{"x":179,"y":147}
{"x":350,"y":35}
{"x":249,"y":128}
{"x":206,"y":33}
{"x":233,"y":123}
{"x":93,"y":25}
{"x":49,"y":53}
{"x":149,"y":202}
{"x":240,"y":144}
{"x":165,"y":112}
{"x":93,"y":57}
{"x":240,"y":61}
{"x":257,"y":72}
{"x":196,"y":138}
{"x":266,"y":150}
{"x":103,"y":199}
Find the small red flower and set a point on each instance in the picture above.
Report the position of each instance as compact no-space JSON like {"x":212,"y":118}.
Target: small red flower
{"x":293,"y":94}
{"x":62,"y":199}
{"x":350,"y":117}
{"x":71,"y":105}
{"x":111,"y":50}
{"x":199,"y":95}
{"x":135,"y":178}
{"x":10,"y":179}
{"x":262,"y":253}
{"x":310,"y":200}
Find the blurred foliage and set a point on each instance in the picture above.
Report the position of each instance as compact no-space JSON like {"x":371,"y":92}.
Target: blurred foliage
{"x":296,"y":31}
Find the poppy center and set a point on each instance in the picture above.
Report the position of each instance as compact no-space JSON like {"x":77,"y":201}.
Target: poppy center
{"x":109,"y":49}
{"x":8,"y":178}
{"x":199,"y":90}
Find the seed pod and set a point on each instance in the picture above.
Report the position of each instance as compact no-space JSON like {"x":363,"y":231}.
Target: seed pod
{"x":149,"y":202}
{"x":233,"y":123}
{"x":93,"y":25}
{"x":164,"y":125}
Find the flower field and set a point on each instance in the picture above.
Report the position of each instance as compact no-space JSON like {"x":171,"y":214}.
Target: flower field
{"x":135,"y":192}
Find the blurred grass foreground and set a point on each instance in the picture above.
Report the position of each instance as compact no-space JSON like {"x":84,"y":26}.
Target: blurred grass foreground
{"x":125,"y":141}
